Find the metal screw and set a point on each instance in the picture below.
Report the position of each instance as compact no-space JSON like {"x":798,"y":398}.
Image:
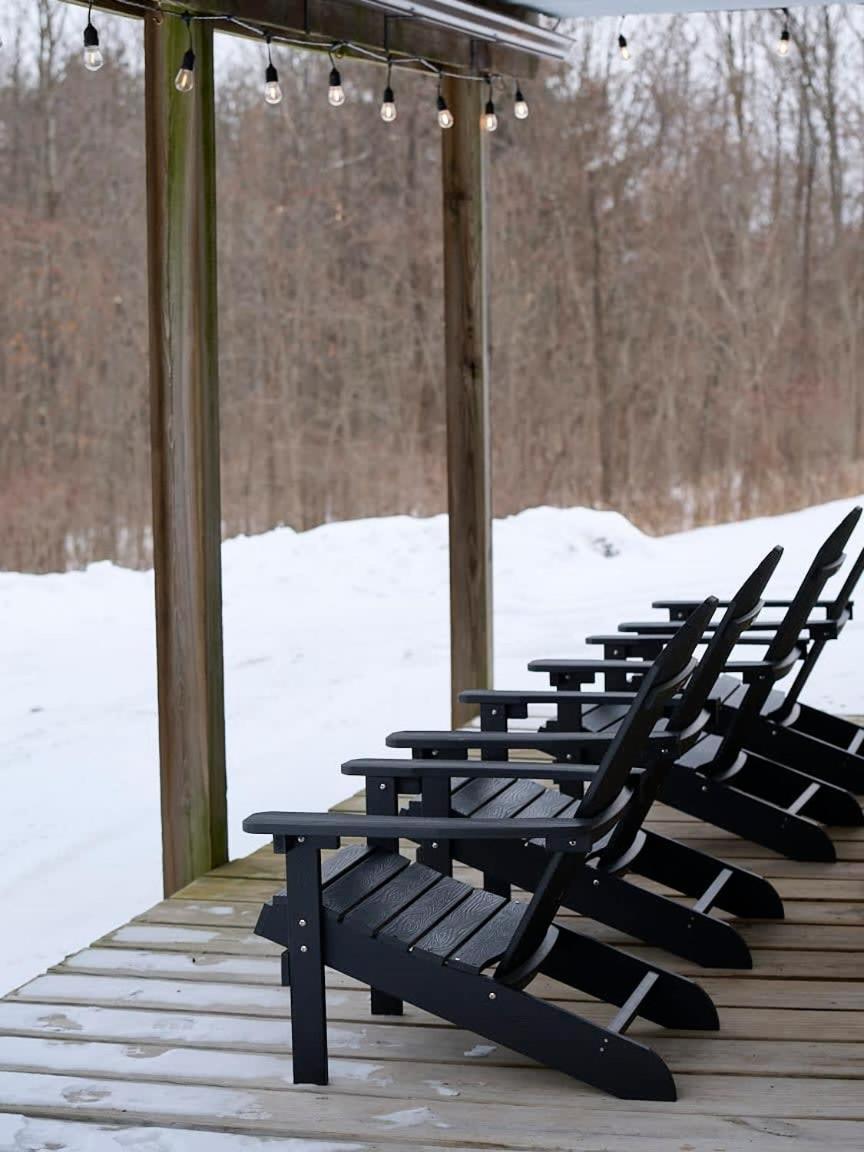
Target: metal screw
{"x":303,"y":948}
{"x":572,"y":843}
{"x":302,"y":923}
{"x":492,"y":996}
{"x":596,"y":883}
{"x":382,"y":787}
{"x":704,"y":787}
{"x":434,"y":843}
{"x":301,"y":839}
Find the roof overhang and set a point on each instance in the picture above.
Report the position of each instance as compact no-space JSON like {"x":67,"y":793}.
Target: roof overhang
{"x":449,"y":32}
{"x":591,"y":9}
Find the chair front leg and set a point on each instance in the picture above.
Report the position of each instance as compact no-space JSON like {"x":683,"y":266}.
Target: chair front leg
{"x":303,"y":963}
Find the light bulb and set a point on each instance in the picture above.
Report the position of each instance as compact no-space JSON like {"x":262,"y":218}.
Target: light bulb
{"x":783,"y":43}
{"x":184,"y":81}
{"x":489,"y":121}
{"x":336,"y":93}
{"x":622,"y":47}
{"x":445,"y":116}
{"x":388,"y":106}
{"x":520,"y":107}
{"x":272,"y":90}
{"x":93,"y":60}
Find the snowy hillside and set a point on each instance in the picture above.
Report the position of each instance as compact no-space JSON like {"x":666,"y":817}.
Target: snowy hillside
{"x":332,"y":638}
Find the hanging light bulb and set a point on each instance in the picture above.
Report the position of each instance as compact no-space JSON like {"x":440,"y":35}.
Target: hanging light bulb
{"x":272,"y":89}
{"x":445,"y":116}
{"x":93,"y":60}
{"x":336,"y":93}
{"x":489,"y":121}
{"x":184,"y":81}
{"x":388,"y":104}
{"x":784,"y":42}
{"x":520,"y":106}
{"x":622,"y":46}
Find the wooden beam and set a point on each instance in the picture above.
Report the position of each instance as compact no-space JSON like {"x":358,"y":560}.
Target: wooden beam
{"x":184,"y":398}
{"x":466,"y":336}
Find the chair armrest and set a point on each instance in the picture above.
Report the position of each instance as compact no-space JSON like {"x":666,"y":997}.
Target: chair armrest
{"x":578,"y":746}
{"x":751,"y":670}
{"x":812,"y":629}
{"x":544,"y":696}
{"x":620,"y":674}
{"x":411,"y":771}
{"x":595,"y":667}
{"x":624,"y":645}
{"x":680,"y":608}
{"x":326,"y":829}
{"x":692,"y":605}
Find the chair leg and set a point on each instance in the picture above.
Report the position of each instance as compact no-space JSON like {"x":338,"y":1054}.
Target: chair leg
{"x":657,"y":920}
{"x":615,"y":901}
{"x":745,"y":815}
{"x":303,"y":963}
{"x":383,"y":1004}
{"x":844,"y":734}
{"x":795,"y":790}
{"x":612,"y":975}
{"x":691,"y":872}
{"x":602,"y":1057}
{"x":818,"y":758}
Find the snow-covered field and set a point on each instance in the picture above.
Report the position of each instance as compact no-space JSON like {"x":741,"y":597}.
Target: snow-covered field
{"x":333,"y":638}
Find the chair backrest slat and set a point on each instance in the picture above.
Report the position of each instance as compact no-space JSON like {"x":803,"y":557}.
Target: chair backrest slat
{"x":667,"y":675}
{"x":743,"y":609}
{"x":841,"y":600}
{"x":826,"y":562}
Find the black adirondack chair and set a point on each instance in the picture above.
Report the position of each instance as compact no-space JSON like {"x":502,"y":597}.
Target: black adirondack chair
{"x":770,"y":730}
{"x":414,"y":934}
{"x":715,"y":780}
{"x":721,"y":780}
{"x":828,"y":747}
{"x":600,"y":888}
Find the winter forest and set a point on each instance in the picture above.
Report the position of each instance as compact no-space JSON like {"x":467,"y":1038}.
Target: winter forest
{"x":676,"y":269}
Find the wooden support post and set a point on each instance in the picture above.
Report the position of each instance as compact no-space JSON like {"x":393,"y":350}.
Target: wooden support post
{"x":466,"y":336}
{"x":184,"y":399}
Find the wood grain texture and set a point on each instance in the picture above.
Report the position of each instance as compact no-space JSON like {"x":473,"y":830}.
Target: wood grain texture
{"x":184,"y":408}
{"x":466,"y":386}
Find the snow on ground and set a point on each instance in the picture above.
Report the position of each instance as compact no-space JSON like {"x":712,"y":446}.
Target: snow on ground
{"x":333,"y":638}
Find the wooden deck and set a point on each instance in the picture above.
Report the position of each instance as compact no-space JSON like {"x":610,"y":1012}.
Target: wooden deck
{"x":170,"y":1034}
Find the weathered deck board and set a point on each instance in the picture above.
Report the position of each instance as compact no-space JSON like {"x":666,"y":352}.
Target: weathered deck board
{"x":171,"y":1032}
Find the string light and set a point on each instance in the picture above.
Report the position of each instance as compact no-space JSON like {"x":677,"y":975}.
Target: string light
{"x":489,"y":121}
{"x":93,"y":60}
{"x":388,"y":104}
{"x":335,"y":93}
{"x":272,"y":89}
{"x":184,"y":81}
{"x":520,"y":105}
{"x":445,"y":116}
{"x":623,"y":47}
{"x":784,"y":41}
